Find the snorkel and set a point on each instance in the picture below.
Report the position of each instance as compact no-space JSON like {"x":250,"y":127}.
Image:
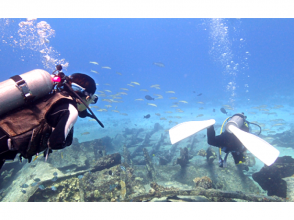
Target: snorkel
{"x":62,"y":80}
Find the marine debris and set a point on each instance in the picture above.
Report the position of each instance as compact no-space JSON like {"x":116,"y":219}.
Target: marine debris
{"x":126,"y":155}
{"x":82,"y":173}
{"x":202,"y":153}
{"x":165,"y":158}
{"x":284,"y":139}
{"x":156,"y":147}
{"x":151,"y":174}
{"x":210,"y":155}
{"x":204,"y":182}
{"x":213,"y":195}
{"x":184,"y":158}
{"x":107,"y":162}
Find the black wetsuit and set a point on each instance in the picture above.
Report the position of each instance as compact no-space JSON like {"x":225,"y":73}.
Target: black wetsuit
{"x":227,"y":142}
{"x":60,"y":117}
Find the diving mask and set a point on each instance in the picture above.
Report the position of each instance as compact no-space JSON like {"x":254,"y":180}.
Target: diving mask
{"x":94,"y":99}
{"x":78,"y":88}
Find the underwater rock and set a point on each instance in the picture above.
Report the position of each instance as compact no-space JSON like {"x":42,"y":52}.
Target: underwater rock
{"x":133,"y":131}
{"x":164,"y":157}
{"x":156,"y":128}
{"x":126,"y":155}
{"x":204,"y":182}
{"x":83,"y":157}
{"x":156,"y":147}
{"x":193,"y":142}
{"x":123,"y":190}
{"x":146,"y":141}
{"x":75,"y":144}
{"x":290,"y":188}
{"x":100,"y":186}
{"x":173,"y":149}
{"x":107,"y":161}
{"x":210,"y":195}
{"x":64,"y":191}
{"x":250,"y":160}
{"x":156,"y":190}
{"x":202,"y":153}
{"x":151,"y":174}
{"x":270,"y":177}
{"x":229,"y":179}
{"x":210,"y":155}
{"x":103,"y":144}
{"x":284,"y":139}
{"x":163,"y":161}
{"x":139,"y":149}
{"x":28,"y":175}
{"x":8,"y":172}
{"x":139,"y":161}
{"x":184,"y":158}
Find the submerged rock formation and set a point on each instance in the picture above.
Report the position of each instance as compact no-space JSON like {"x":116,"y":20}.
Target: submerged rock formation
{"x":184,"y":158}
{"x":270,"y":177}
{"x":210,"y":155}
{"x":204,"y":182}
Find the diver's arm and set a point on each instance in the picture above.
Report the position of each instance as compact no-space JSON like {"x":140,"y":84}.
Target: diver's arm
{"x":213,"y":140}
{"x":63,"y":119}
{"x":85,"y":113}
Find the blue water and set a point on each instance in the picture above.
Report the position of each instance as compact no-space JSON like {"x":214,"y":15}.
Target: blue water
{"x":237,"y":62}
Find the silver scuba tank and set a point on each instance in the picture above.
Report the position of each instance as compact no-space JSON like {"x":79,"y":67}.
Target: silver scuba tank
{"x":237,"y":120}
{"x":24,"y":88}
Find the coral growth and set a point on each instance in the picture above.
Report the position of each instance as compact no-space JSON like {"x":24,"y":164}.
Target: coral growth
{"x":202,"y":153}
{"x":204,"y":182}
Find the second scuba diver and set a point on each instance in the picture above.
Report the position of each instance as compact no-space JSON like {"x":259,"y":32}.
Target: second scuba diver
{"x":229,"y":143}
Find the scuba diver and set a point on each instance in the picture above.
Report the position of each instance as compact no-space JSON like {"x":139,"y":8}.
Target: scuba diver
{"x":29,"y":126}
{"x":229,"y":143}
{"x":236,"y":140}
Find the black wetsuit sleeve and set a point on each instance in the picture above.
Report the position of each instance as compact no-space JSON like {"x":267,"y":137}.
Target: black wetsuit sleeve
{"x":85,"y":114}
{"x":217,"y":141}
{"x":62,"y":117}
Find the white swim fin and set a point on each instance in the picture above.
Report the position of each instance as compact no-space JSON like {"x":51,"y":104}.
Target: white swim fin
{"x":186,"y":129}
{"x":257,"y":146}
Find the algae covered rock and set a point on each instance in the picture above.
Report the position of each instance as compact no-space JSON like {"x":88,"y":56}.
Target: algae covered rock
{"x":113,"y":184}
{"x":204,"y":182}
{"x":270,"y":177}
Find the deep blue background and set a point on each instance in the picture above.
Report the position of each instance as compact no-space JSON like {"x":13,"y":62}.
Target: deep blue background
{"x":131,"y":46}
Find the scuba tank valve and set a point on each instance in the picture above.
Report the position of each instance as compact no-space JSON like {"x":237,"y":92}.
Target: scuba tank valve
{"x":236,"y":120}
